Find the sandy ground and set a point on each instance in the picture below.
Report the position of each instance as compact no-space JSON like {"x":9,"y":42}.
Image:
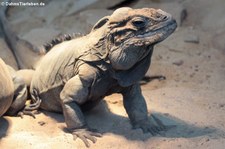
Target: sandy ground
{"x":191,"y":101}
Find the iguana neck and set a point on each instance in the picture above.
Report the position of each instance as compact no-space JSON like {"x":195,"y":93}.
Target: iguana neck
{"x":99,"y":45}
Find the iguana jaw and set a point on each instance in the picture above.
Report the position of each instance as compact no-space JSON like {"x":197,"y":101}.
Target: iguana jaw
{"x":167,"y":27}
{"x":154,"y":36}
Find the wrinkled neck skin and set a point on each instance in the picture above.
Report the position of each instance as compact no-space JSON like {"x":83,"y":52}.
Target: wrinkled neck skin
{"x":126,"y":57}
{"x":135,"y":73}
{"x":97,"y":43}
{"x":122,"y":57}
{"x":129,"y":61}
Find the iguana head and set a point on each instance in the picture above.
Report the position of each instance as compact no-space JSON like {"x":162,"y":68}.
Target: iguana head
{"x":132,"y":33}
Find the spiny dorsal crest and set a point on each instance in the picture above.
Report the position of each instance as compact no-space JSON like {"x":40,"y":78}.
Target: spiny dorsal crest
{"x":61,"y":38}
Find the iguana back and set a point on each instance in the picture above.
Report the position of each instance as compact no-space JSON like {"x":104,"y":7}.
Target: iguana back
{"x":6,"y":88}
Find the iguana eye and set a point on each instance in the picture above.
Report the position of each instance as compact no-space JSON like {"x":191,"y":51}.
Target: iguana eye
{"x":139,"y":23}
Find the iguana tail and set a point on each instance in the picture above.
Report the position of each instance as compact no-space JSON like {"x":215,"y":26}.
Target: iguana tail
{"x":26,"y":54}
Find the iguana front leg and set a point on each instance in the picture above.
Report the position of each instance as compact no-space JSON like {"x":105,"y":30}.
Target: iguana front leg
{"x":74,"y":93}
{"x":136,"y":108}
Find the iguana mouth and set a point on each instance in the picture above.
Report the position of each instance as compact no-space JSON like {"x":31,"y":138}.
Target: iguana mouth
{"x":153,"y":36}
{"x":168,"y":27}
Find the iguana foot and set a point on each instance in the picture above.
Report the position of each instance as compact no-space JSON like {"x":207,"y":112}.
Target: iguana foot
{"x":85,"y":135}
{"x":24,"y":112}
{"x":153,"y":126}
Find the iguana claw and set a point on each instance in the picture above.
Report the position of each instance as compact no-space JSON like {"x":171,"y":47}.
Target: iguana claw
{"x":85,"y":135}
{"x":153,"y":126}
{"x":22,"y":113}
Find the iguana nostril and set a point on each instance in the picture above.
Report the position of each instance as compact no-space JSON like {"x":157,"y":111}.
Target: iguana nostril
{"x":164,"y":17}
{"x":161,"y":16}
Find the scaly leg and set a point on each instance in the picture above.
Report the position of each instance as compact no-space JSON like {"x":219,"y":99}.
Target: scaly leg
{"x":136,"y":108}
{"x":20,"y":96}
{"x":75,"y":93}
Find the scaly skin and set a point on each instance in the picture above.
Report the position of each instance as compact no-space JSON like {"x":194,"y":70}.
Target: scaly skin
{"x":13,"y":93}
{"x":6,"y":88}
{"x":112,"y":58}
{"x":20,"y":93}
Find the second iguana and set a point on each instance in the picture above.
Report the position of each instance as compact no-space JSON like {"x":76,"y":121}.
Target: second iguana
{"x":13,"y":90}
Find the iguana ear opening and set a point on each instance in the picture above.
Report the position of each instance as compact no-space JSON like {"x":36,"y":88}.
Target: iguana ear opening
{"x":100,"y":23}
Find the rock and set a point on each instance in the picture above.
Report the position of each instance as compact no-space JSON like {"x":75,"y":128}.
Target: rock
{"x":106,"y":4}
{"x":6,"y":54}
{"x":93,"y":15}
{"x":22,"y":21}
{"x":70,"y":7}
{"x":178,"y":63}
{"x":218,"y":41}
{"x":183,"y":16}
{"x":192,"y":38}
{"x":74,"y":7}
{"x":81,"y":22}
{"x":40,"y":36}
{"x":206,"y":14}
{"x":177,"y":10}
{"x":78,"y":5}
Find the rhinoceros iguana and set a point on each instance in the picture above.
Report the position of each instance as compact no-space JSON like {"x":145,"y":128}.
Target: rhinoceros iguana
{"x":13,"y":91}
{"x":6,"y":88}
{"x":77,"y":73}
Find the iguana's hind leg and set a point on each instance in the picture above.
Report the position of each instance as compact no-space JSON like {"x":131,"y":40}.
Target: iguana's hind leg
{"x":75,"y":93}
{"x":21,"y":81}
{"x":20,"y":96}
{"x":31,"y":108}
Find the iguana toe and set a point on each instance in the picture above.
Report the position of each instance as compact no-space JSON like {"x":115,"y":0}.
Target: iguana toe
{"x":86,"y":135}
{"x":22,"y":113}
